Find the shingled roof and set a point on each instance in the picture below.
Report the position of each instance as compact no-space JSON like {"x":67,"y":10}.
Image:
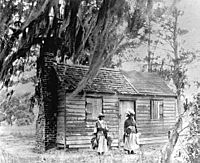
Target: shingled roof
{"x":148,"y":83}
{"x":106,"y":81}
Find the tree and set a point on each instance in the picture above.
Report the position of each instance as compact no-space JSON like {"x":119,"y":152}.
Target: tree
{"x":75,"y":27}
{"x":82,"y":31}
{"x":164,"y":36}
{"x":178,"y":56}
{"x":67,"y":28}
{"x":17,"y":109}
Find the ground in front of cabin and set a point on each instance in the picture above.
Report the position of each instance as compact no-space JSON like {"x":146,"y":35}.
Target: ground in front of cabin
{"x":18,"y":147}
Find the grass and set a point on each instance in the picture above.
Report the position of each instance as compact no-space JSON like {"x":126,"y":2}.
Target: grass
{"x":68,"y":157}
{"x":18,"y":131}
{"x":17,"y":144}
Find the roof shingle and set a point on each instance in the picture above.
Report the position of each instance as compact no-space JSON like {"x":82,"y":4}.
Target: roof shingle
{"x":148,"y":83}
{"x":107,"y":80}
{"x":114,"y":81}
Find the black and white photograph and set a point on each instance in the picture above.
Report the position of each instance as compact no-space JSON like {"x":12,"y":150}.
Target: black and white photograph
{"x":99,"y":81}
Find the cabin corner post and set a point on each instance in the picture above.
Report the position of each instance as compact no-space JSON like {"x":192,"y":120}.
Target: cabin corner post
{"x":46,"y":92}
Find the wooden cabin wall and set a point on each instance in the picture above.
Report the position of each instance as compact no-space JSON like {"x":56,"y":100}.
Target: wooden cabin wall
{"x":79,"y":129}
{"x":155,"y":128}
{"x":76,"y":129}
{"x":111,"y":111}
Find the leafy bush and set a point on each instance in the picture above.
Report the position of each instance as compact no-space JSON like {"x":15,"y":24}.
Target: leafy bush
{"x":18,"y":110}
{"x":189,"y":150}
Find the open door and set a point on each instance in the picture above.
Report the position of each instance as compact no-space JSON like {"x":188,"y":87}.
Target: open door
{"x":124,"y":106}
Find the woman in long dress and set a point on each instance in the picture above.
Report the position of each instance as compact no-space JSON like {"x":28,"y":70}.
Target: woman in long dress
{"x":130,"y":133}
{"x":101,"y":132}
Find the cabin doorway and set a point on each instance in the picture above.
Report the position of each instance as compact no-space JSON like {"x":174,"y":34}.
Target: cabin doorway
{"x":124,"y":106}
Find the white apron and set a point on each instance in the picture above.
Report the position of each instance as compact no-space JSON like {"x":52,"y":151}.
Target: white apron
{"x":102,"y":141}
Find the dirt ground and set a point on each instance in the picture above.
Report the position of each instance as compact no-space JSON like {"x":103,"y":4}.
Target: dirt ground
{"x":20,"y":149}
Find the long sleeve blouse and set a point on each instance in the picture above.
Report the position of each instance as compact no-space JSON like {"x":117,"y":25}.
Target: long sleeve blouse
{"x":130,"y":122}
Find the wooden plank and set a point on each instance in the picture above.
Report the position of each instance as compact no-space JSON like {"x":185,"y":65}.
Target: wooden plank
{"x":144,"y":126}
{"x":169,"y":114}
{"x":111,"y":116}
{"x":147,"y":122}
{"x":143,"y":114}
{"x":143,"y":105}
{"x":169,"y":102}
{"x":76,"y":133}
{"x":154,"y":128}
{"x":112,"y":121}
{"x":77,"y":102}
{"x":142,"y":108}
{"x":73,"y":138}
{"x":78,"y":142}
{"x":78,"y":109}
{"x":68,"y":114}
{"x":166,"y":104}
{"x":80,"y":146}
{"x":143,"y":117}
{"x":152,"y":131}
{"x":143,"y":111}
{"x":108,"y":114}
{"x":110,"y":111}
{"x":108,"y":104}
{"x":75,"y":114}
{"x":110,"y":108}
{"x":143,"y":102}
{"x":75,"y":106}
{"x":113,"y":124}
{"x":72,"y":118}
{"x":61,"y":112}
{"x":110,"y":100}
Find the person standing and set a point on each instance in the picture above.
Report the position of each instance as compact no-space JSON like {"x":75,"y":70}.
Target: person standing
{"x":130,"y":131}
{"x":101,"y":134}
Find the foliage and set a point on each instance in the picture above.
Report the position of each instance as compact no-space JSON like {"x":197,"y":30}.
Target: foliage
{"x":18,"y":110}
{"x":134,"y":35}
{"x":161,"y":37}
{"x":187,"y":149}
{"x":82,"y":31}
{"x":193,"y":140}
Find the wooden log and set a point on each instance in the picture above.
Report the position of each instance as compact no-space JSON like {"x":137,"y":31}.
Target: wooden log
{"x":110,"y":100}
{"x":78,"y":142}
{"x":80,"y":146}
{"x":75,"y":106}
{"x":69,"y":138}
{"x":77,"y":102}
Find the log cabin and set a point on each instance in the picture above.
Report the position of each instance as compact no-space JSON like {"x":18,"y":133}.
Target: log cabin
{"x":70,"y":123}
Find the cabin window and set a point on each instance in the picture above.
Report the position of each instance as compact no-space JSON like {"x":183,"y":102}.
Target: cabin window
{"x":93,"y":107}
{"x":156,"y":109}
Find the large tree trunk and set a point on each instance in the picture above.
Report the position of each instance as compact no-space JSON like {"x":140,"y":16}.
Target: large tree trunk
{"x":46,"y":92}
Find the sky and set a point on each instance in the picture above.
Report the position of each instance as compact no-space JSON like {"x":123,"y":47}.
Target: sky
{"x":190,"y":21}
